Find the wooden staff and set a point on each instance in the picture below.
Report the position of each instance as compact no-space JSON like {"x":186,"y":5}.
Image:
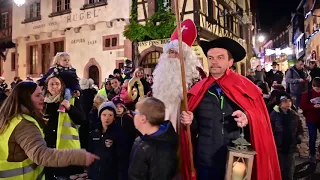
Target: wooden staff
{"x":183,"y":77}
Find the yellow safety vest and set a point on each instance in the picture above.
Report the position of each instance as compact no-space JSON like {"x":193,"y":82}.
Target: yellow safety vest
{"x":25,"y":170}
{"x":67,"y":132}
{"x":102,"y":92}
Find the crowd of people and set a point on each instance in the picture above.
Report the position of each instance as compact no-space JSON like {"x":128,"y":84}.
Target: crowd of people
{"x":60,"y":125}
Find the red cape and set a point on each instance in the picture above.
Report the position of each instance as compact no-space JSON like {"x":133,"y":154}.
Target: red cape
{"x":249,"y":98}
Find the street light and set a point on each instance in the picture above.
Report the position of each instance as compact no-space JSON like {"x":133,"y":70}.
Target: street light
{"x":261,"y":38}
{"x":19,"y":2}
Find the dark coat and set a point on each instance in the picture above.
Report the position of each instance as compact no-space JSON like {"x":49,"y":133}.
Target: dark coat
{"x":112,"y":149}
{"x":93,"y":118}
{"x":50,"y":130}
{"x":286,"y":129}
{"x":154,"y":157}
{"x":126,"y":123}
{"x":277,"y":76}
{"x":68,"y":76}
{"x":215,"y":127}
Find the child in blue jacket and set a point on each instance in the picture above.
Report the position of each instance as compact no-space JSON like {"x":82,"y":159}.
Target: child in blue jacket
{"x":108,"y":142}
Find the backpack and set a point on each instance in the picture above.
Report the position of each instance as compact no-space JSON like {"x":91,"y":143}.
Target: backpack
{"x":288,"y":84}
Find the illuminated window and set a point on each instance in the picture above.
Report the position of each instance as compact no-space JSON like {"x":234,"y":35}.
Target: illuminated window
{"x":33,"y":59}
{"x":61,"y":5}
{"x":33,"y":10}
{"x":151,"y":60}
{"x":4,"y":20}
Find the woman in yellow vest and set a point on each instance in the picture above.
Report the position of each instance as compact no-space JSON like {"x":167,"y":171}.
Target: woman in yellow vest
{"x":23,"y":150}
{"x":61,"y":130}
{"x":105,"y":88}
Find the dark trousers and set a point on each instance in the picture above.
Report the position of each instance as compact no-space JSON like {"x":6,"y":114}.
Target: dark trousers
{"x":297,"y":101}
{"x":313,"y":132}
{"x":287,"y":164}
{"x":209,"y":173}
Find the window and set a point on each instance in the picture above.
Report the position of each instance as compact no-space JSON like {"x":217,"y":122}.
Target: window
{"x":114,"y":41}
{"x":205,"y":7}
{"x":108,"y":44}
{"x":62,"y":5}
{"x":45,"y":48}
{"x":13,"y":61}
{"x":96,"y":1}
{"x":33,"y":59}
{"x":58,"y":47}
{"x":4,"y":20}
{"x":111,"y":42}
{"x":151,"y":60}
{"x":33,"y":10}
{"x":241,"y":31}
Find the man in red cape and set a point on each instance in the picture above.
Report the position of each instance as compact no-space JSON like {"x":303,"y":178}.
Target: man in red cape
{"x":226,"y":88}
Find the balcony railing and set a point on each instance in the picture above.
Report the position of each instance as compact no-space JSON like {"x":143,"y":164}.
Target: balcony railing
{"x":5,"y":34}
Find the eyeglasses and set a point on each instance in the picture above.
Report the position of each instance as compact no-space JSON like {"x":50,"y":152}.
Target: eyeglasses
{"x":135,"y":113}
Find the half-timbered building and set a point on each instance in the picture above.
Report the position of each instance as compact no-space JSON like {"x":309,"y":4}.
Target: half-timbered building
{"x":213,"y":18}
{"x":7,"y":50}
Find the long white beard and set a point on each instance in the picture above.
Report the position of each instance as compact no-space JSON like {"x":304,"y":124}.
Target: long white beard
{"x":167,"y":83}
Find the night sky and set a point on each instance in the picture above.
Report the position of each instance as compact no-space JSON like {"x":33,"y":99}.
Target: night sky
{"x":271,"y":11}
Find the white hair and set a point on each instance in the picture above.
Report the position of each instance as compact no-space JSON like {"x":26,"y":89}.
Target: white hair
{"x":167,"y":83}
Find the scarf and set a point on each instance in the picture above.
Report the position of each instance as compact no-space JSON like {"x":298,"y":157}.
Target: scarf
{"x":52,"y":99}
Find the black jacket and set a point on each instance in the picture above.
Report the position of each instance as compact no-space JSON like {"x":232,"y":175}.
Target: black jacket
{"x":277,"y":76}
{"x":68,"y":76}
{"x":213,"y":129}
{"x":154,"y":157}
{"x":286,"y":129}
{"x":126,"y":123}
{"x":50,"y":130}
{"x":112,"y":149}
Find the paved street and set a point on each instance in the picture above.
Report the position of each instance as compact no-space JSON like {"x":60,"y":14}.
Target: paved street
{"x":304,"y":171}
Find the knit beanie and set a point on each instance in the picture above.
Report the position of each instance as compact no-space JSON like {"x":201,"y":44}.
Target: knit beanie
{"x":117,"y":100}
{"x":106,"y":105}
{"x":282,"y":96}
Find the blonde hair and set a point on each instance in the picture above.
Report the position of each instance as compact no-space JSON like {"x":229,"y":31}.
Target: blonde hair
{"x":58,"y":57}
{"x":137,"y":70}
{"x":153,"y":109}
{"x":99,"y":99}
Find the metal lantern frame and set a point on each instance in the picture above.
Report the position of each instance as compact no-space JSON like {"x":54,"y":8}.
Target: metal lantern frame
{"x":245,"y":156}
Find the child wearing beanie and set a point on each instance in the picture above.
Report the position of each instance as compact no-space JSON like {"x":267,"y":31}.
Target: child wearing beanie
{"x":287,"y":131}
{"x":108,"y":142}
{"x":125,"y":120}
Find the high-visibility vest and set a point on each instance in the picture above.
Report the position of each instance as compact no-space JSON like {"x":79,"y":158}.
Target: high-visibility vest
{"x":24,"y":170}
{"x":67,"y":132}
{"x":102,"y":92}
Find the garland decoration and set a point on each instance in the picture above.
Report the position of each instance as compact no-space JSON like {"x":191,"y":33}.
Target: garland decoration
{"x":159,"y":26}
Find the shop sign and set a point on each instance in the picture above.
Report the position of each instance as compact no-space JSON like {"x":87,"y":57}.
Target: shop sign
{"x":160,"y":42}
{"x":84,"y":15}
{"x":83,"y":41}
{"x":44,"y":25}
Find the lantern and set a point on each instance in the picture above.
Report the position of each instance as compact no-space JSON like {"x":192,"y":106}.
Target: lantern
{"x":240,"y":160}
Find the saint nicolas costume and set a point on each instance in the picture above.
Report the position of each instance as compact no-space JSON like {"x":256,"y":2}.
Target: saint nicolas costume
{"x":173,"y":99}
{"x":212,"y":102}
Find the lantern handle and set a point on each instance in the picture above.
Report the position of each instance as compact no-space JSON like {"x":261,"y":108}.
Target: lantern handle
{"x":242,"y":133}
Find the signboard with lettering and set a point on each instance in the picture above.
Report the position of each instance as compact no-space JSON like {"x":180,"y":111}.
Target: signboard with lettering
{"x":54,"y":22}
{"x":160,"y":42}
{"x":83,"y":41}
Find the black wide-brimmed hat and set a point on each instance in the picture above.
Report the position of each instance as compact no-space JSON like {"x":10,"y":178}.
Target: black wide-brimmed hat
{"x":234,"y":48}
